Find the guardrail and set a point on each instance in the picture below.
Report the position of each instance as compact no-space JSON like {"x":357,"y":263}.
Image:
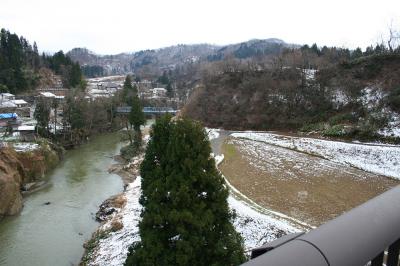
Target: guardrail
{"x":146,"y":110}
{"x":366,"y":235}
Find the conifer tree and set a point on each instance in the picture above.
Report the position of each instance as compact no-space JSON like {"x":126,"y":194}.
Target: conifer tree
{"x":42,"y":115}
{"x":129,"y":91}
{"x":186,"y":219}
{"x":136,"y":116}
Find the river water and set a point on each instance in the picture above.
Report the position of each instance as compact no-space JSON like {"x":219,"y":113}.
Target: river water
{"x":54,"y":234}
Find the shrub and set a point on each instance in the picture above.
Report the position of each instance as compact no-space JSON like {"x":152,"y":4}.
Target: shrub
{"x":334,"y":131}
{"x":312,"y":127}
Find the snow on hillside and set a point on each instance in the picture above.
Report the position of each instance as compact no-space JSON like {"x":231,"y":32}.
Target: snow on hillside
{"x":379,"y":159}
{"x":393,"y":128}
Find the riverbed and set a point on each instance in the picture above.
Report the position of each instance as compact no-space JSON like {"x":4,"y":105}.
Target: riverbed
{"x":59,"y":218}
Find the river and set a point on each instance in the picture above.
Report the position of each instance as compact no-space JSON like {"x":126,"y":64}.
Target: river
{"x":54,"y":234}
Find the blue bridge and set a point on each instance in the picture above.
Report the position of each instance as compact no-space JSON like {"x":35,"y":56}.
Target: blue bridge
{"x":148,"y":110}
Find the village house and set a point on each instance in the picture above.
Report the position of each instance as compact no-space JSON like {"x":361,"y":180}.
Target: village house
{"x":26,"y":133}
{"x":6,"y":97}
{"x":98,"y":93}
{"x":8,"y":121}
{"x":59,"y":91}
{"x":47,"y":94}
{"x":159,"y":92}
{"x":20,"y":103}
{"x":7,"y":107}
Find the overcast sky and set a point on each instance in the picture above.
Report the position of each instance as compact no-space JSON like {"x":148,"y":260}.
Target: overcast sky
{"x":114,"y":26}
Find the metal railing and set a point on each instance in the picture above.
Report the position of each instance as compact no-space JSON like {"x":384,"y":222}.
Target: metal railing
{"x":366,"y":235}
{"x":152,"y":110}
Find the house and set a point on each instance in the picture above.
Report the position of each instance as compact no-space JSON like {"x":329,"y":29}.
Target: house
{"x":7,"y":107}
{"x":26,"y":133}
{"x":159,"y":92}
{"x":23,"y":108}
{"x":57,"y":90}
{"x":96,"y":93}
{"x":8,"y":120}
{"x":19,"y":103}
{"x":6,"y":97}
{"x":47,"y":95}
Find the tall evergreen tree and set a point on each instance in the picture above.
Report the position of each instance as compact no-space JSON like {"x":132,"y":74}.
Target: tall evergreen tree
{"x":129,"y":91}
{"x":42,"y":116}
{"x":136,"y":116}
{"x":186,"y":219}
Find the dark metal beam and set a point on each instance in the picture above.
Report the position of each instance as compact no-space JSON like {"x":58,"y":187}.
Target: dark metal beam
{"x":351,"y":239}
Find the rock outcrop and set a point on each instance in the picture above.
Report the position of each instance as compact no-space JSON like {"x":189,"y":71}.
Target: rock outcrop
{"x":12,"y":174}
{"x":23,"y":170}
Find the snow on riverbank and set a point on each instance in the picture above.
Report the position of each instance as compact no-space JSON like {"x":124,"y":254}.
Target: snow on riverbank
{"x":212,"y":133}
{"x":379,"y":159}
{"x":113,"y":249}
{"x":255,"y":228}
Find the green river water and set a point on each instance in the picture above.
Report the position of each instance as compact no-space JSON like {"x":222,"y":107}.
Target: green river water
{"x":54,"y":234}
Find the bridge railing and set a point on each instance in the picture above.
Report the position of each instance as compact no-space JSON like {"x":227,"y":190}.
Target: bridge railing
{"x":127,"y":109}
{"x":367,"y":235}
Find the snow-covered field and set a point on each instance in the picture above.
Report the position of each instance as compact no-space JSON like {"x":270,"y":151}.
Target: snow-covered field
{"x":378,"y":159}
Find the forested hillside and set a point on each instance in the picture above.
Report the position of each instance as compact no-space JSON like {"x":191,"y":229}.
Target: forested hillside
{"x":332,"y":91}
{"x":21,"y":65}
{"x":151,"y":63}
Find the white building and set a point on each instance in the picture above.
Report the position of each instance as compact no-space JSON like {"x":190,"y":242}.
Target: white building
{"x":159,"y":92}
{"x":19,"y":103}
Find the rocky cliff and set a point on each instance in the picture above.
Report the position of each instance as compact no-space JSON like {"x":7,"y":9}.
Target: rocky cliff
{"x":21,"y":167}
{"x":11,"y":175}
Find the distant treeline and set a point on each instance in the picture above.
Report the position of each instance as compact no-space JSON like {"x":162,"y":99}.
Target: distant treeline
{"x":93,"y":71}
{"x":20,"y":63}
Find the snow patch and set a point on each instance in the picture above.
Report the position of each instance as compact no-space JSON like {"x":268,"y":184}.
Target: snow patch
{"x":25,"y":146}
{"x":372,"y":97}
{"x":339,"y":98}
{"x":212,"y":133}
{"x":393,"y":128}
{"x":257,"y":228}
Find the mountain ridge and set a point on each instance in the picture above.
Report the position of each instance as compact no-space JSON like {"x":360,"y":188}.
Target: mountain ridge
{"x":171,"y":56}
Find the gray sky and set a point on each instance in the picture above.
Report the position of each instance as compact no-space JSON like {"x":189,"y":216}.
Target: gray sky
{"x":114,"y":26}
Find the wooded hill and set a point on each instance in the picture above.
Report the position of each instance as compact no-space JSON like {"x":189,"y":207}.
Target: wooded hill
{"x":151,"y":63}
{"x":21,"y":65}
{"x":335,"y":92}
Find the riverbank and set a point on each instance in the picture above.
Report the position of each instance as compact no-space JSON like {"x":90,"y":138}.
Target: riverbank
{"x":23,"y":167}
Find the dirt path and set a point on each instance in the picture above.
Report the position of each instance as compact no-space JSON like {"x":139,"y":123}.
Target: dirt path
{"x":299,"y":185}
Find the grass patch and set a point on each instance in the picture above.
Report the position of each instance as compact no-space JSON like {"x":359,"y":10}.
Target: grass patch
{"x":229,"y":150}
